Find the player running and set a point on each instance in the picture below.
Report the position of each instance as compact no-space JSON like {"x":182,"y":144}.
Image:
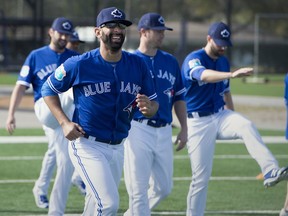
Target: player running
{"x":109,"y":85}
{"x":39,"y":64}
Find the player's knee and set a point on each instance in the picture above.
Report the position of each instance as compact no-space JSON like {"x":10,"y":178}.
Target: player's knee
{"x":111,"y":208}
{"x":247,"y":126}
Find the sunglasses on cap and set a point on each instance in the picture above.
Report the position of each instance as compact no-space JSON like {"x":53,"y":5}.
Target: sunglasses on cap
{"x":113,"y":25}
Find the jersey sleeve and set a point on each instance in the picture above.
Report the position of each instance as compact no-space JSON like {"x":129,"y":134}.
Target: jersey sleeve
{"x":148,"y":83}
{"x":26,"y":72}
{"x":192,"y":67}
{"x":61,"y":80}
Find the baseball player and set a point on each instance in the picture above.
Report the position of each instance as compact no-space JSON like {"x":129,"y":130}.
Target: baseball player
{"x":284,"y":210}
{"x":108,"y":86}
{"x":150,"y":140}
{"x":74,"y":42}
{"x":39,"y":64}
{"x":206,"y":73}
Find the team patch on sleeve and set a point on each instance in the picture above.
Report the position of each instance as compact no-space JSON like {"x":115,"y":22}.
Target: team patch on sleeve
{"x":24,"y":70}
{"x":60,"y":73}
{"x":194,"y":63}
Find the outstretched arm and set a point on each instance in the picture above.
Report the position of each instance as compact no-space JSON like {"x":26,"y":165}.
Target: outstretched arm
{"x":211,"y":76}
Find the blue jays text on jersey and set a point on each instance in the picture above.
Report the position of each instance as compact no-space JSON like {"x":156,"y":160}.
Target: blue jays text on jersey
{"x":104,"y":92}
{"x":198,"y":96}
{"x":168,"y":83}
{"x":39,"y":64}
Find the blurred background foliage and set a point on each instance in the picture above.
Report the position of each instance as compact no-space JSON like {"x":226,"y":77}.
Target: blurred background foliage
{"x":24,"y":25}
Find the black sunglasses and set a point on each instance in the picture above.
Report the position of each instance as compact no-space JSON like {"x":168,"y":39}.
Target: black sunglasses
{"x":113,"y":25}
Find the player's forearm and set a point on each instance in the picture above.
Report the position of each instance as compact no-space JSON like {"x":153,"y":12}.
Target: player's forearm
{"x":228,"y":101}
{"x":16,"y":98}
{"x":211,"y":76}
{"x":53,"y":102}
{"x":180,"y":111}
{"x":152,"y":110}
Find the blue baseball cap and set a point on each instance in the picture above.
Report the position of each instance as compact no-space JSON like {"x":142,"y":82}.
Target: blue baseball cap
{"x":220,"y":33}
{"x":112,"y":14}
{"x":62,"y":25}
{"x":75,"y":38}
{"x":152,"y":21}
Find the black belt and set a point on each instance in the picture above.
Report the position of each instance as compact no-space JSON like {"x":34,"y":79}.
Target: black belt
{"x":152,"y":123}
{"x":111,"y":142}
{"x":202,"y":114}
{"x":199,"y":114}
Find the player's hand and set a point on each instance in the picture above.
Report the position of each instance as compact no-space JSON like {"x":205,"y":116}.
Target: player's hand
{"x":72,"y":130}
{"x":10,"y":124}
{"x":145,"y":105}
{"x":181,"y":140}
{"x":242,"y":72}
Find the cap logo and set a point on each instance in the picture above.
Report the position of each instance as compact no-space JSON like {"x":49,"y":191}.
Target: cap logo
{"x":66,"y":25}
{"x":116,"y":13}
{"x":161,"y":20}
{"x":225,"y":33}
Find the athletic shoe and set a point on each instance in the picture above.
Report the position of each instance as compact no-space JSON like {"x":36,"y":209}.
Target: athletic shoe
{"x":81,"y":187}
{"x":275,"y":176}
{"x":41,"y":200}
{"x":283,"y":212}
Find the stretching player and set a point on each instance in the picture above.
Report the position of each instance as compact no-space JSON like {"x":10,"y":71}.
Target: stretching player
{"x":39,"y":64}
{"x":206,"y":73}
{"x":150,"y":140}
{"x":108,"y":85}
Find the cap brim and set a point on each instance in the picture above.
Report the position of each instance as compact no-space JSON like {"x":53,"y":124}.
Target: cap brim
{"x":79,"y":41}
{"x":162,"y":28}
{"x":125,"y":22}
{"x":223,"y":43}
{"x":64,"y":32}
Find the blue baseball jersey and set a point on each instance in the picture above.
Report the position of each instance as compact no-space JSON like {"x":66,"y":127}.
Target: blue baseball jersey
{"x":201,"y":96}
{"x":39,"y":65}
{"x":286,"y":102}
{"x":104,"y":92}
{"x":169,"y":86}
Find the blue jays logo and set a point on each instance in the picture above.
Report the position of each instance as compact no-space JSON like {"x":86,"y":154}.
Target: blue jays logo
{"x":161,"y":20}
{"x":66,"y":25}
{"x":170,"y":93}
{"x":225,"y":33}
{"x":60,"y":73}
{"x":116,"y":13}
{"x":131,"y":108}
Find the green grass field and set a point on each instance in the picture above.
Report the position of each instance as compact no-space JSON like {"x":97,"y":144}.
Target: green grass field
{"x":21,"y":163}
{"x":274,"y":87}
{"x":233,"y":189}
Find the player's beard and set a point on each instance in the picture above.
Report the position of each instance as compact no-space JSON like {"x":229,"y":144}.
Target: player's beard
{"x":60,"y":44}
{"x":111,"y":43}
{"x":217,"y":52}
